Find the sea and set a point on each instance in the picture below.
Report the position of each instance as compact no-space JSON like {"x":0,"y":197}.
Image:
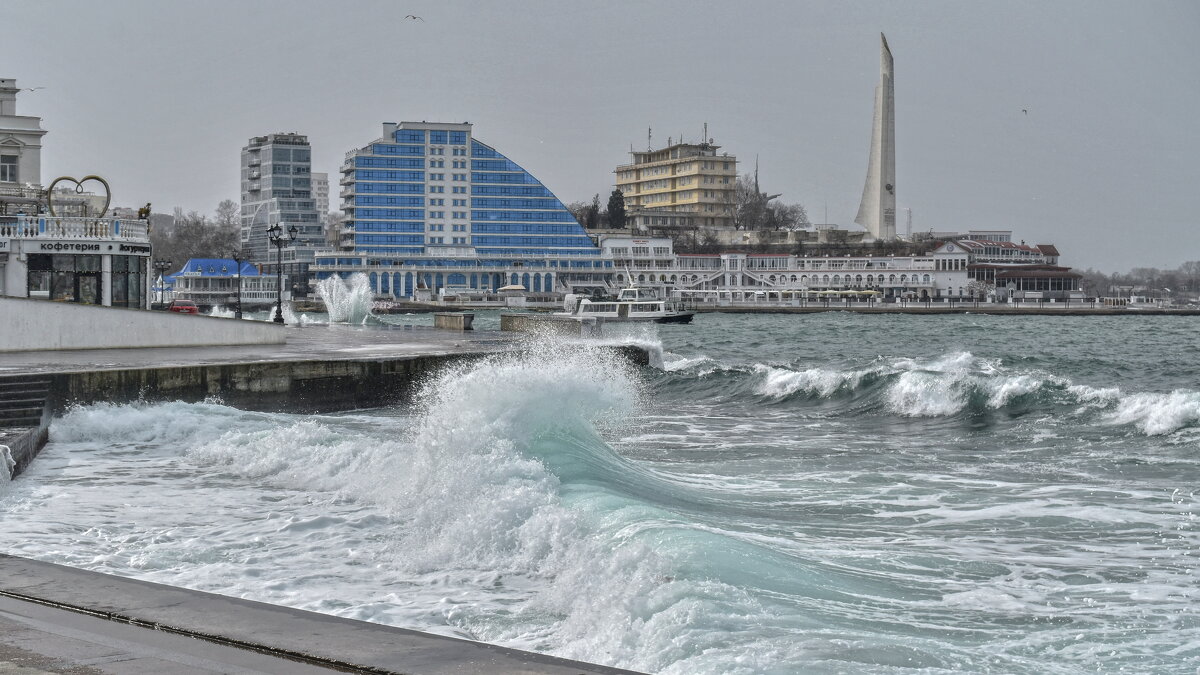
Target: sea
{"x":823,"y":493}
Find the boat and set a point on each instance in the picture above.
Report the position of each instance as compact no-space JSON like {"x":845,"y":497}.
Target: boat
{"x":632,"y":304}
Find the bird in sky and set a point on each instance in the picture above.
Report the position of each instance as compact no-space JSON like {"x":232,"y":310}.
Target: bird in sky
{"x":32,"y":88}
{"x":1024,"y":111}
{"x":414,"y":17}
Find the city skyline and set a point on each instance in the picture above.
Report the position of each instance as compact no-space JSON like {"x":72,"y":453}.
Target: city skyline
{"x":1067,"y":124}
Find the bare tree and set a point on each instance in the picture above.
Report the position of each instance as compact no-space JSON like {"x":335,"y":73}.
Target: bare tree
{"x":193,"y":235}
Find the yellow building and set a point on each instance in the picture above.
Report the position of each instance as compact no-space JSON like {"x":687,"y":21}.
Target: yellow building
{"x":681,"y":186}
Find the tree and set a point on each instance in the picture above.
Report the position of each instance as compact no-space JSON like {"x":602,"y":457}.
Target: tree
{"x":616,"y":210}
{"x":593,"y":213}
{"x":754,"y":209}
{"x":193,"y":235}
{"x":229,"y":214}
{"x":709,"y":242}
{"x":579,"y":210}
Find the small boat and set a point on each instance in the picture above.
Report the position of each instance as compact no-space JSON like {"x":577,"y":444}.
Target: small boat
{"x":632,"y":304}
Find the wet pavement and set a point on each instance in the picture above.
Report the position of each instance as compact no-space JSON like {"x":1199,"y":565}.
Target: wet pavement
{"x":304,"y":343}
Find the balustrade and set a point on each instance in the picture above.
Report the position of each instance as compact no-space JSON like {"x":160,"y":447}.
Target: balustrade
{"x":68,"y":227}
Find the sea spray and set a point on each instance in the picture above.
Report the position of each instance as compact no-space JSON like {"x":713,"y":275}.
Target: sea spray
{"x":347,"y":301}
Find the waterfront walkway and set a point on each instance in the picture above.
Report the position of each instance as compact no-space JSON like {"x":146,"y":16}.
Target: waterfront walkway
{"x":57,"y":619}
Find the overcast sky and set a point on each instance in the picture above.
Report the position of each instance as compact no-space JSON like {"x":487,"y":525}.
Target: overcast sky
{"x":159,"y":97}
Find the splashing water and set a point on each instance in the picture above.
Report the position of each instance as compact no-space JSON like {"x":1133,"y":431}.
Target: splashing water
{"x":347,"y":301}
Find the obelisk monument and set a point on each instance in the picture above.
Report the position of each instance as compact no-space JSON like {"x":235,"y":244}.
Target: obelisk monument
{"x":877,"y":211}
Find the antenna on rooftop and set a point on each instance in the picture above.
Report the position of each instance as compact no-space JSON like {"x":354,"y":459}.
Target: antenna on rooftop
{"x":704,"y":138}
{"x":649,"y":142}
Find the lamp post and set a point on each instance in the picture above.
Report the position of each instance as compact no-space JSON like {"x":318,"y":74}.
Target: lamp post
{"x":161,"y":266}
{"x":278,"y":238}
{"x":237,"y":260}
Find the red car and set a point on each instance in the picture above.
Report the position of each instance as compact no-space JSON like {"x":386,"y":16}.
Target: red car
{"x":183,"y":307}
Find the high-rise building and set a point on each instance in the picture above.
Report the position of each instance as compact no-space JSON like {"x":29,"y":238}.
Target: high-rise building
{"x":277,"y":190}
{"x":684,"y":185}
{"x":320,"y":190}
{"x":877,"y":211}
{"x":428,"y":206}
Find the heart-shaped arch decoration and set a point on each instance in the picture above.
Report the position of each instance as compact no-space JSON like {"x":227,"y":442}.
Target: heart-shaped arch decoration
{"x":79,"y":190}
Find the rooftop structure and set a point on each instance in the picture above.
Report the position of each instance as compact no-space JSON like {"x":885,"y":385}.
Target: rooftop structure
{"x":681,"y":186}
{"x":877,"y":211}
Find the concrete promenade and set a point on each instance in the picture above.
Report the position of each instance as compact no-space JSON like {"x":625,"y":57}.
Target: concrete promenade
{"x":56,"y":619}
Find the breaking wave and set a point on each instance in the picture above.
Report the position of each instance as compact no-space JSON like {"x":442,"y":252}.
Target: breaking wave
{"x":949,"y":385}
{"x":503,"y":475}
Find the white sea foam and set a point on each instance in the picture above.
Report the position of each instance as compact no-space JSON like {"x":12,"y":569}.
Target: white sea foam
{"x":675,"y":362}
{"x":781,"y":382}
{"x":1157,"y":414}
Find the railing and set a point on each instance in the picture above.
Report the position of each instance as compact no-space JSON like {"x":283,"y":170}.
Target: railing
{"x":63,"y":227}
{"x":23,"y":192}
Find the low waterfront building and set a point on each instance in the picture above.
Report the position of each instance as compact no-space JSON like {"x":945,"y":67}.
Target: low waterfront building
{"x":429,"y":207}
{"x":684,"y":186}
{"x":956,"y":270}
{"x":214,"y":282}
{"x":96,"y":260}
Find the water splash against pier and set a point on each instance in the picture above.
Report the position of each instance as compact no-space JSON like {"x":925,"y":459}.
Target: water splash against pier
{"x":347,"y":301}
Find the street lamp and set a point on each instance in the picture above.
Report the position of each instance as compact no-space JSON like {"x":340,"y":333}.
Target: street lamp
{"x":278,"y":238}
{"x":237,"y":260}
{"x":161,"y":266}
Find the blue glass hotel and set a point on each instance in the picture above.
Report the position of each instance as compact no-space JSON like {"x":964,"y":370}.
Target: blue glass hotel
{"x":428,"y":206}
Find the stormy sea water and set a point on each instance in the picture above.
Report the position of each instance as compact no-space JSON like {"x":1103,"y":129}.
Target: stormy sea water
{"x":829,"y":493}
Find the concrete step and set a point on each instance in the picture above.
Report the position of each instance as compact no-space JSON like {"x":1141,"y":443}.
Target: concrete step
{"x":22,"y":422}
{"x":24,"y":387}
{"x":23,"y":411}
{"x":8,"y":379}
{"x":22,"y":400}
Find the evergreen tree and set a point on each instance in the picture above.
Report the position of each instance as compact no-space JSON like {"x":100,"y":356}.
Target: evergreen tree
{"x":616,"y":210}
{"x":593,"y":214}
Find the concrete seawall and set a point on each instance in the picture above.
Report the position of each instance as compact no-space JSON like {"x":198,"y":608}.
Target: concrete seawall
{"x":40,"y":325}
{"x":307,"y":386}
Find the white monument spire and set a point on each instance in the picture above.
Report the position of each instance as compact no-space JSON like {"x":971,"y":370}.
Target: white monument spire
{"x":877,"y":211}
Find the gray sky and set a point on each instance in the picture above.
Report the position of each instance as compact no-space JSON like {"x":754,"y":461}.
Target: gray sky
{"x":159,"y":97}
